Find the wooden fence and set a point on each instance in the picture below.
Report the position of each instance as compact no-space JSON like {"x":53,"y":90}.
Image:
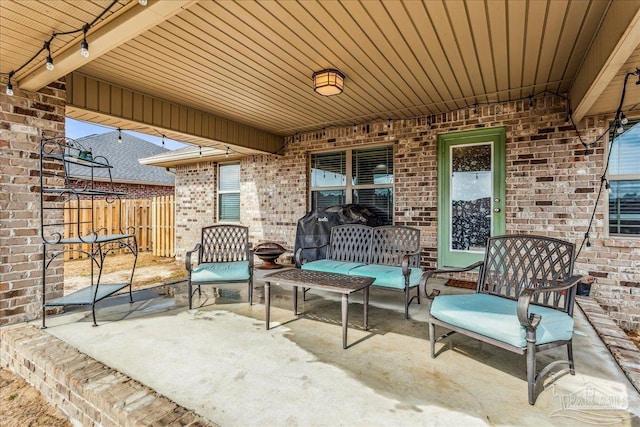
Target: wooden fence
{"x":152,"y":221}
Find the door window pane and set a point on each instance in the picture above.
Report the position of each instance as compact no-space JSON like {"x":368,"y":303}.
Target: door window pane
{"x":471,"y":192}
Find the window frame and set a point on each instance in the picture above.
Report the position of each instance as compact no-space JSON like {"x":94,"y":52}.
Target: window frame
{"x":349,"y":187}
{"x":635,"y":121}
{"x":220,"y":192}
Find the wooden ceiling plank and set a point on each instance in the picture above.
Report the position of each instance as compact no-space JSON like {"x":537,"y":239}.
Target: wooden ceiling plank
{"x":384,"y":33}
{"x":549,"y":48}
{"x":470,"y":52}
{"x":483,"y":43}
{"x":536,"y":19}
{"x":497,"y":22}
{"x":617,"y":38}
{"x":516,"y":24}
{"x":436,"y":13}
{"x":568,"y":38}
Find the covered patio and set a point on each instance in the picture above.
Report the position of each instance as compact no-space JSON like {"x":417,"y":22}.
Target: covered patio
{"x":218,"y":362}
{"x":240,"y":82}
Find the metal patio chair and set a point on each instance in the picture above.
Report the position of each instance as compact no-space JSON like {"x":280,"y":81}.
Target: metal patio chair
{"x":224,"y":256}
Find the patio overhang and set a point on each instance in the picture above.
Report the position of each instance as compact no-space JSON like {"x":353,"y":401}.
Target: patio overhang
{"x":239,"y":73}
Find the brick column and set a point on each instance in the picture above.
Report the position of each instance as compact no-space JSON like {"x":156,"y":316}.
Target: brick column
{"x":24,"y":117}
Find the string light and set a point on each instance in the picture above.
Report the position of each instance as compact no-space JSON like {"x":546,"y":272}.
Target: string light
{"x":84,"y":46}
{"x":119,"y":136}
{"x":9,"y":85}
{"x":162,"y":134}
{"x":227,"y":153}
{"x":623,"y":119}
{"x":200,"y":147}
{"x":47,"y":46}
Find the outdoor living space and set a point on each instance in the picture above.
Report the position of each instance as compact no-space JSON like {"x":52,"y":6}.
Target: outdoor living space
{"x":220,"y":362}
{"x":456,"y":122}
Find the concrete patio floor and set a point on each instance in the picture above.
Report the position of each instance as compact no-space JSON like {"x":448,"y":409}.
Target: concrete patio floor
{"x":219,"y":361}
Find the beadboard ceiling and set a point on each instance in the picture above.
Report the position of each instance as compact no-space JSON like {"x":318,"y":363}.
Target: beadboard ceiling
{"x":251,"y":62}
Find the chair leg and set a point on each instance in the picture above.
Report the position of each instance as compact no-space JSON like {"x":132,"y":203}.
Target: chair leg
{"x":572,"y":369}
{"x":531,"y":368}
{"x":432,"y":339}
{"x":190,"y":292}
{"x":250,"y":292}
{"x":406,"y":302}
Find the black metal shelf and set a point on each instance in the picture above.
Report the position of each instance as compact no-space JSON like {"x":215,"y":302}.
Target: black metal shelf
{"x":56,"y":191}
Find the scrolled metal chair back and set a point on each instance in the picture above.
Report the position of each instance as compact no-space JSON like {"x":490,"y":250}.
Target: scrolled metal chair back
{"x":391,"y":243}
{"x":516,"y":262}
{"x":350,"y":242}
{"x":224,"y":243}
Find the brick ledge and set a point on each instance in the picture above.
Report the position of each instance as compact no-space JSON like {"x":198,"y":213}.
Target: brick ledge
{"x":623,"y":350}
{"x":85,"y":390}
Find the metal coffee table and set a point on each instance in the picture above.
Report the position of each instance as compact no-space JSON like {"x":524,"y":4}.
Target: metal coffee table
{"x":331,"y":282}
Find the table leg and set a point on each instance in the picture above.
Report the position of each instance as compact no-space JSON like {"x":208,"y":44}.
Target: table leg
{"x":366,"y":308}
{"x":267,"y":302}
{"x":345,"y":318}
{"x":295,"y":300}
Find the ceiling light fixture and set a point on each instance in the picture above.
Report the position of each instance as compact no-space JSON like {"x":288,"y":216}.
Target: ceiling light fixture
{"x":142,"y":2}
{"x":328,"y":82}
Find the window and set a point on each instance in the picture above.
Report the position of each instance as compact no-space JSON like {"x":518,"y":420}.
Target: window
{"x":363,"y":176}
{"x":624,"y":182}
{"x":229,"y":192}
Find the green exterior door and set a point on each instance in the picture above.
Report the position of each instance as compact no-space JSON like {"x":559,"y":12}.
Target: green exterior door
{"x":471,"y":194}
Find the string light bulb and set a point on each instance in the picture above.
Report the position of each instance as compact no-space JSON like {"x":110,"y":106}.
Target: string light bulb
{"x":200,"y":147}
{"x":227,"y":153}
{"x":84,"y":46}
{"x":9,"y":85}
{"x":47,"y":45}
{"x":119,"y":136}
{"x":623,"y":119}
{"x":162,"y":135}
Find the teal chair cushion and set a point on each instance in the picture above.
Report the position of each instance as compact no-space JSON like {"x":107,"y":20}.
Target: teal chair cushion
{"x":387,"y":276}
{"x":221,"y":272}
{"x":497,"y":318}
{"x":331,"y":266}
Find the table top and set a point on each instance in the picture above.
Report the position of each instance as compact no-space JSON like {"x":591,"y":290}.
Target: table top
{"x":335,"y":282}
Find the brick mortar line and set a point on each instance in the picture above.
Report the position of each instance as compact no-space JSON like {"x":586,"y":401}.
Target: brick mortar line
{"x":84,"y":389}
{"x":598,"y":319}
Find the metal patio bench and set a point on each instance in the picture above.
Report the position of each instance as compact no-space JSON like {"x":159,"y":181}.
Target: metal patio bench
{"x":224,"y":256}
{"x":523,"y":301}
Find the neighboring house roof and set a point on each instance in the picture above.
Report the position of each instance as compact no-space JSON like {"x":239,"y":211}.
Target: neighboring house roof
{"x":124,"y":159}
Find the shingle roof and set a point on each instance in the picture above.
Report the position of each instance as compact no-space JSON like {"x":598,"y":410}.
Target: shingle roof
{"x":124,"y":159}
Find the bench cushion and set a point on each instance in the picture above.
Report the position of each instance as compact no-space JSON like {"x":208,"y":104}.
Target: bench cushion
{"x":387,"y":276}
{"x":331,"y":266}
{"x":497,"y":318}
{"x":220,"y":272}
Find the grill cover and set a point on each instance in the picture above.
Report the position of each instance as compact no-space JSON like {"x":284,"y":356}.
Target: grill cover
{"x":314,"y":229}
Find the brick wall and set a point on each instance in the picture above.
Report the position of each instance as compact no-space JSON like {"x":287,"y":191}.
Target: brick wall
{"x":134,"y":191}
{"x":24,"y":118}
{"x":551,"y":187}
{"x":195,"y":203}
